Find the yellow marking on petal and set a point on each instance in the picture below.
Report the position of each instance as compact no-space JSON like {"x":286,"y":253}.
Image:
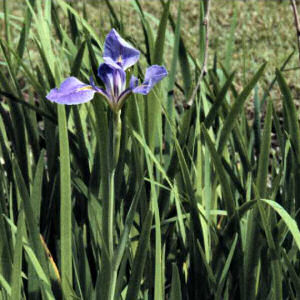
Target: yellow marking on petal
{"x":84,"y":88}
{"x":120,"y":59}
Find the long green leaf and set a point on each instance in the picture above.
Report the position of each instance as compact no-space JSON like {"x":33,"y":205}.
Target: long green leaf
{"x":140,"y":259}
{"x":78,"y":60}
{"x":288,"y":220}
{"x":218,"y":102}
{"x":25,"y":30}
{"x":160,"y":39}
{"x":170,"y":101}
{"x":229,"y":202}
{"x":253,"y":250}
{"x":65,"y":204}
{"x":175,"y":285}
{"x":226,"y":268}
{"x":263,"y":163}
{"x":30,"y":217}
{"x":16,"y":282}
{"x":236,"y":109}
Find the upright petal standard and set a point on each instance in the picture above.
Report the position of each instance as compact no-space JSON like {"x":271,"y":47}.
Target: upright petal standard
{"x":118,"y":56}
{"x":118,"y":51}
{"x":114,"y":79}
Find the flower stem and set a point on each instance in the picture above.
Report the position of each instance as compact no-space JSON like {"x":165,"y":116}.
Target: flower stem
{"x":117,"y":127}
{"x":110,"y":212}
{"x":116,"y":132}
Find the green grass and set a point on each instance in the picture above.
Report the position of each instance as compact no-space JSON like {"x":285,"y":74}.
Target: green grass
{"x":197,"y":203}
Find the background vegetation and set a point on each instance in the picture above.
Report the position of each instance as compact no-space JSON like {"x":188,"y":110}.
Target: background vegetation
{"x":206,"y":191}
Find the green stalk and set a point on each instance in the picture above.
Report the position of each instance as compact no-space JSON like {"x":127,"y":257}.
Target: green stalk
{"x":110,"y":234}
{"x":116,"y":133}
{"x":117,"y":128}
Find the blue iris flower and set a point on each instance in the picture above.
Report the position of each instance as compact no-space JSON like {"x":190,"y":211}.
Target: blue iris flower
{"x":118,"y":56}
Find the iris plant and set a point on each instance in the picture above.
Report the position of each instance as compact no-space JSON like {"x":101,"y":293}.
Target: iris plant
{"x":118,"y":56}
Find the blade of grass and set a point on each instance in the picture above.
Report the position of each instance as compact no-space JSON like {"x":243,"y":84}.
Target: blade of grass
{"x":183,"y":59}
{"x":75,"y":69}
{"x":36,"y":195}
{"x":229,"y":203}
{"x":217,"y":104}
{"x":273,"y":253}
{"x":140,"y":259}
{"x":236,"y":109}
{"x":252,"y":252}
{"x":226,"y":268}
{"x":30,"y":216}
{"x":294,"y":276}
{"x":44,"y":280}
{"x":148,"y":32}
{"x":16,"y":280}
{"x":5,"y":285}
{"x":160,"y":39}
{"x":175,"y":285}
{"x":118,"y":24}
{"x":153,"y":102}
{"x":263,"y":163}
{"x":172,"y":74}
{"x":293,"y":129}
{"x":25,"y":30}
{"x":288,"y":220}
{"x":65,"y":204}
{"x":231,"y":41}
{"x":292,"y":112}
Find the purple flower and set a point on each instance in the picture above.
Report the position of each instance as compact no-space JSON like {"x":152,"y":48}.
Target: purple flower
{"x":118,"y":56}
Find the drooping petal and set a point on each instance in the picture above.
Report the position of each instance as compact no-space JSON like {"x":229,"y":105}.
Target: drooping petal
{"x":114,"y":79}
{"x":133,"y":83}
{"x":71,"y":91}
{"x":153,"y":75}
{"x":119,"y":51}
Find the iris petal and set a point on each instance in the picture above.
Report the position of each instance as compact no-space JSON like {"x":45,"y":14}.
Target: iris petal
{"x":114,"y":79}
{"x":71,"y":91}
{"x":153,"y":75}
{"x":133,"y":83}
{"x":97,"y":89}
{"x":118,"y":51}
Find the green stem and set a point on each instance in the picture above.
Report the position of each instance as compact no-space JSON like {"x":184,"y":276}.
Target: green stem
{"x":112,"y":285}
{"x":117,"y":125}
{"x":110,"y":212}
